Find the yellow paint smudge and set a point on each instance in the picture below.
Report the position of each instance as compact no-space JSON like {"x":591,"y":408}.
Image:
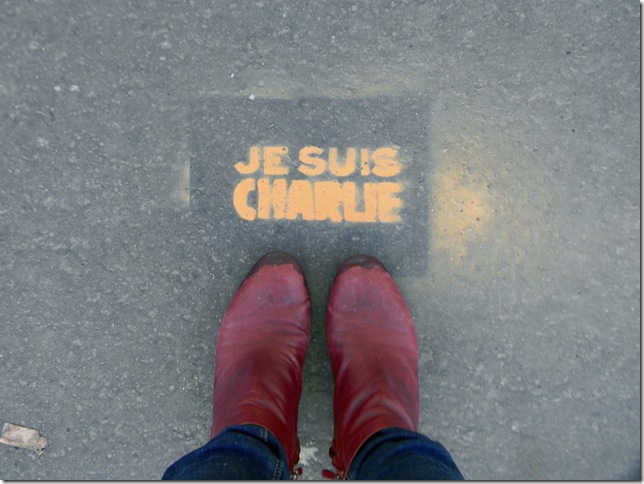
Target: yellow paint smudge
{"x":461,"y":206}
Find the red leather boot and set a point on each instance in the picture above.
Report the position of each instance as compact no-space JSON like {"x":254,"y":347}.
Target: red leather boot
{"x":261,"y":348}
{"x":374,"y":357}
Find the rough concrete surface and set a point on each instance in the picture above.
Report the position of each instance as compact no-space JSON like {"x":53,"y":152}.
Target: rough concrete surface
{"x":114,"y":277}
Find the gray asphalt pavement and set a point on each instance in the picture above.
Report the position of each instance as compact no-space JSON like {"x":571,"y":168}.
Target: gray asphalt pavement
{"x":487,"y":151}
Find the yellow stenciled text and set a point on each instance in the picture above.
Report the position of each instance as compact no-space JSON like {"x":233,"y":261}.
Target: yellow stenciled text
{"x":272,"y":196}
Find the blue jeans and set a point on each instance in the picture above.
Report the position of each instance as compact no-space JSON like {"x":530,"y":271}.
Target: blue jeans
{"x":250,"y":452}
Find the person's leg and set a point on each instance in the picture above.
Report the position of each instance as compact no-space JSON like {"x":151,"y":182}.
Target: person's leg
{"x":374,"y":360}
{"x":397,"y":454}
{"x":261,"y":347}
{"x":246,"y":452}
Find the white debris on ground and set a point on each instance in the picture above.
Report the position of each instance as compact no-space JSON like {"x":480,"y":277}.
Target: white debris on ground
{"x":24,"y":437}
{"x":307,"y":454}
